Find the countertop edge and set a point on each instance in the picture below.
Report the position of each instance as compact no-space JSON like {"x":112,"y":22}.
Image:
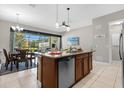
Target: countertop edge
{"x":66,"y":55}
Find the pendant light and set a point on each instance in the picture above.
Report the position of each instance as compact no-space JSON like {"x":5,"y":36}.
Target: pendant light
{"x":17,"y":28}
{"x":57,"y":16}
{"x":64,"y":25}
{"x":68,"y":26}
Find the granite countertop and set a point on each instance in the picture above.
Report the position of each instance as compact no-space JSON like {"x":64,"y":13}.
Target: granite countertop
{"x":65,"y":54}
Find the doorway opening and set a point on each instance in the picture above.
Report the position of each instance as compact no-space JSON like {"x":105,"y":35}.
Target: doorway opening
{"x":115,"y":28}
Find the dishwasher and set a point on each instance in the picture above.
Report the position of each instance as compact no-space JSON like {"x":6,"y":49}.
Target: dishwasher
{"x":66,"y":72}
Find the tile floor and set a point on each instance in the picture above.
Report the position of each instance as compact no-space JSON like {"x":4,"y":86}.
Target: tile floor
{"x":102,"y":76}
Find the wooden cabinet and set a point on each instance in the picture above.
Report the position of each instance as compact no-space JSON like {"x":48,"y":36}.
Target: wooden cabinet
{"x":83,"y":65}
{"x":49,"y":73}
{"x":90,"y":61}
{"x":79,"y":68}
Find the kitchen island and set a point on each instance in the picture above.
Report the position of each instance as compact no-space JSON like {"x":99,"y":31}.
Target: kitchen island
{"x":63,"y":70}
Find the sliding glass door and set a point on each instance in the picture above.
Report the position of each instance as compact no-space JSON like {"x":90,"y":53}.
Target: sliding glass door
{"x":34,"y":41}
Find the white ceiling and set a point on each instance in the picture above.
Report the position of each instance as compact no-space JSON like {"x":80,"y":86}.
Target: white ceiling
{"x":44,"y":15}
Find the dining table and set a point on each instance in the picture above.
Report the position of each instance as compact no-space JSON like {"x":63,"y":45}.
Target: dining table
{"x":15,"y":55}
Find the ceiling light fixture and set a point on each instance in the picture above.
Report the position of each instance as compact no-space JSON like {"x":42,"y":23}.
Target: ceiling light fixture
{"x":17,"y":28}
{"x":64,"y":24}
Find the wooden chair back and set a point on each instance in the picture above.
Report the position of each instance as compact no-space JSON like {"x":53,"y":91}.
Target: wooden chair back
{"x":23,"y":55}
{"x":6,"y":55}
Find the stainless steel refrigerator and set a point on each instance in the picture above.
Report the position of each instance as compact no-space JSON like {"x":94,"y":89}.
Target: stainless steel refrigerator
{"x":121,"y":51}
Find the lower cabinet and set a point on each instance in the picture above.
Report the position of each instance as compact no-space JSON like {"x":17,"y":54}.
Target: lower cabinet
{"x":63,"y":72}
{"x":90,"y":61}
{"x":83,"y":65}
{"x":49,"y":73}
{"x":78,"y":68}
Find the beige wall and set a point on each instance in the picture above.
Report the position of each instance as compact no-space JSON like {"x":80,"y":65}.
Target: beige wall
{"x":101,"y":26}
{"x":85,"y":35}
{"x":5,"y":33}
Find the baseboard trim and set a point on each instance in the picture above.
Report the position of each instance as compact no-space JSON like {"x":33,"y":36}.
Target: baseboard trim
{"x":116,"y":61}
{"x":101,"y":62}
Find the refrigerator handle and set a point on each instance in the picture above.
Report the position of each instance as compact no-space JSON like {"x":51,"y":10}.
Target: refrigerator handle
{"x":120,"y":42}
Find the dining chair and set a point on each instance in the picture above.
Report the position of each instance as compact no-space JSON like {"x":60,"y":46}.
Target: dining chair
{"x":31,"y":56}
{"x":8,"y":59}
{"x":22,"y":57}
